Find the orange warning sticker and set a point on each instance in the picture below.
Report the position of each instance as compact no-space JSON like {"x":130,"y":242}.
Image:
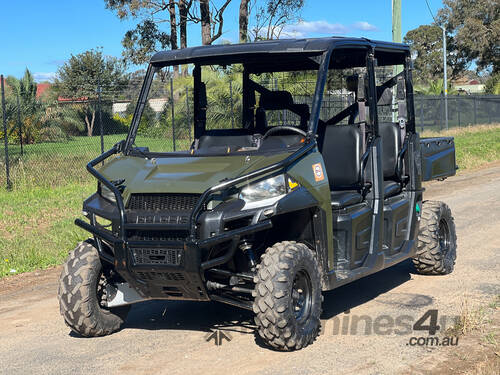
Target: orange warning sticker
{"x":318,"y":172}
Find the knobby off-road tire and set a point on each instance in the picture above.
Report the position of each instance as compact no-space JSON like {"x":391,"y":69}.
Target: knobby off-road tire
{"x":286,"y":319}
{"x":81,"y":291}
{"x":437,"y":240}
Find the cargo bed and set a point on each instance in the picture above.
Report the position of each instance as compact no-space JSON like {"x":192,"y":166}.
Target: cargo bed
{"x":438,"y":158}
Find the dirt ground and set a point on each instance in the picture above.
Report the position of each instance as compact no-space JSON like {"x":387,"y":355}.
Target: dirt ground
{"x":170,"y":337}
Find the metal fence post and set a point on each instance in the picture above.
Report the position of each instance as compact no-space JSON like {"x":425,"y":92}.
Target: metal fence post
{"x":475,"y":111}
{"x":487,"y":104}
{"x":6,"y":143}
{"x":99,"y":89}
{"x":172,"y":100}
{"x":189,"y":122}
{"x":458,"y":111}
{"x":19,"y":124}
{"x":231,"y":99}
{"x":422,"y":114}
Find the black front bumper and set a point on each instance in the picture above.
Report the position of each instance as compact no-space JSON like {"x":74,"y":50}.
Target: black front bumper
{"x":185,"y":279}
{"x":182,"y":278}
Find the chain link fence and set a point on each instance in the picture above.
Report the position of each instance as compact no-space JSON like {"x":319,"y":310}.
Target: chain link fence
{"x":50,"y":144}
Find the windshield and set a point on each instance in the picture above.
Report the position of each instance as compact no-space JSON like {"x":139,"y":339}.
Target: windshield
{"x":215,"y":109}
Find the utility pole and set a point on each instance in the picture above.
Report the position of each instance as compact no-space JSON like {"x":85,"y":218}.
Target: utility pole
{"x":445,"y":70}
{"x":445,"y":79}
{"x":396,"y":38}
{"x":396,"y":21}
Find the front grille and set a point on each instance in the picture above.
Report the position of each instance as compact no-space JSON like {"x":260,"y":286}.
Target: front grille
{"x":142,"y":256}
{"x":160,"y":276}
{"x":156,"y":235}
{"x":163,"y":202}
{"x":157,"y":219}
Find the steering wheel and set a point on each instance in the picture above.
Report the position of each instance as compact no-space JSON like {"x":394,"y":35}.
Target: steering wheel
{"x":278,"y":129}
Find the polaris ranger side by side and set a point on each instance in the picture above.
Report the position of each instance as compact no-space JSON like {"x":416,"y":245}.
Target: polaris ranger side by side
{"x":308,"y":176}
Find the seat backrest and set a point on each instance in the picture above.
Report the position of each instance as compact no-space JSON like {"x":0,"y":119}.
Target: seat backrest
{"x":276,"y":101}
{"x":341,"y":147}
{"x":391,"y":145}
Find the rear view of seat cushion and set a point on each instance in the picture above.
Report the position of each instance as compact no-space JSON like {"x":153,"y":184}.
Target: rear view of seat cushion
{"x":281,"y":141}
{"x":391,"y":188}
{"x":233,"y":138}
{"x":391,"y":145}
{"x":341,"y":199}
{"x":341,"y":148}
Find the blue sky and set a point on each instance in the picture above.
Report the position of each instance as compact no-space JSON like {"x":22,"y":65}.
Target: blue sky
{"x":41,"y":35}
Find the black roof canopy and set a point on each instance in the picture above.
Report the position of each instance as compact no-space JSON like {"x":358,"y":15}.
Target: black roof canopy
{"x":289,"y":54}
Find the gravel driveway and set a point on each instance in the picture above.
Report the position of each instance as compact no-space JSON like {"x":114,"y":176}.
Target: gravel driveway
{"x":367,"y":325}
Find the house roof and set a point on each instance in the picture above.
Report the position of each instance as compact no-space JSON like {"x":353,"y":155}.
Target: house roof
{"x":272,"y":49}
{"x":41,"y":88}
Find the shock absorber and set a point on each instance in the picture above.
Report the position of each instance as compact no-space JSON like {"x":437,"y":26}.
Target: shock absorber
{"x":246,"y":247}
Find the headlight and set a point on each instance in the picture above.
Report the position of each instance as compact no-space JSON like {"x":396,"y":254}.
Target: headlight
{"x":107,"y":194}
{"x":265,"y":192}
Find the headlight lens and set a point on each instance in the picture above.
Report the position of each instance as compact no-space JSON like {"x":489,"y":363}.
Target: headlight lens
{"x":270,"y":188}
{"x":107,"y":194}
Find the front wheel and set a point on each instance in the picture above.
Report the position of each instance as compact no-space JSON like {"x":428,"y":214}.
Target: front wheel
{"x":437,"y":240}
{"x":82,"y":294}
{"x":288,"y":297}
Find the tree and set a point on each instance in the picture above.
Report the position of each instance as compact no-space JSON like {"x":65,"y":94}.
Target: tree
{"x":492,"y":85}
{"x":243,"y":21}
{"x":147,"y":38}
{"x":82,"y":75}
{"x":475,"y":29}
{"x":142,"y":42}
{"x":273,"y":15}
{"x":435,"y":88}
{"x":426,"y":43}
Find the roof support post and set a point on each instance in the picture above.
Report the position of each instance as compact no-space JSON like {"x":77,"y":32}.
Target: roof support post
{"x":410,"y":106}
{"x":139,"y":108}
{"x":372,"y":90}
{"x":248,"y":101}
{"x":199,"y":124}
{"x":324,"y":64}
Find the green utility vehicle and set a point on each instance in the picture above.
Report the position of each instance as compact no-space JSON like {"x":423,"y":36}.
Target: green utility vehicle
{"x":305,"y":177}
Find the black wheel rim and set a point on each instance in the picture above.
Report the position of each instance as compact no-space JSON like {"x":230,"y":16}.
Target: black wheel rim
{"x":302,"y":296}
{"x":444,"y":236}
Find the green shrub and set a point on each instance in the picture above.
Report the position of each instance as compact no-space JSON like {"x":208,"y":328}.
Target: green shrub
{"x":52,"y":134}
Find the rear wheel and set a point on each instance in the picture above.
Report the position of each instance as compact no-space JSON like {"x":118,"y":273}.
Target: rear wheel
{"x":288,"y":296}
{"x":437,"y":240}
{"x":82,"y":294}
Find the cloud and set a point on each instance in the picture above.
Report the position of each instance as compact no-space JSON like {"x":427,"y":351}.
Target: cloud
{"x":39,"y":76}
{"x":364,"y":26}
{"x":305,"y":28}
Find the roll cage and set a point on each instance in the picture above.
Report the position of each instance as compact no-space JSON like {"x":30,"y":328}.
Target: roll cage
{"x":336,"y":53}
{"x":280,"y":56}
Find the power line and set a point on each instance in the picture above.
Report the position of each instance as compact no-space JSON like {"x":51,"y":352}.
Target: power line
{"x":430,"y":11}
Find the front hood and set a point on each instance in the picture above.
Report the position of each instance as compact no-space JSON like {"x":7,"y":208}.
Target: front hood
{"x":182,"y":174}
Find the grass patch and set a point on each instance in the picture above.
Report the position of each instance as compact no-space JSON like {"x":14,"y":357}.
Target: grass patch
{"x":36,"y":226}
{"x":474,"y":319}
{"x":50,"y":183}
{"x":63,"y":163}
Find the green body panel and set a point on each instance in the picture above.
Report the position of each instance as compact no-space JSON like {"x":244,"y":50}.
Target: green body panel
{"x":196,"y":174}
{"x":303,"y":172}
{"x":182,"y":174}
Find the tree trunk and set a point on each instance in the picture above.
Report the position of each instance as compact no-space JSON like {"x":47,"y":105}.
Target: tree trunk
{"x":244,"y":21}
{"x":90,"y":124}
{"x":206,"y":33}
{"x":183,"y":13}
{"x":173,"y":31}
